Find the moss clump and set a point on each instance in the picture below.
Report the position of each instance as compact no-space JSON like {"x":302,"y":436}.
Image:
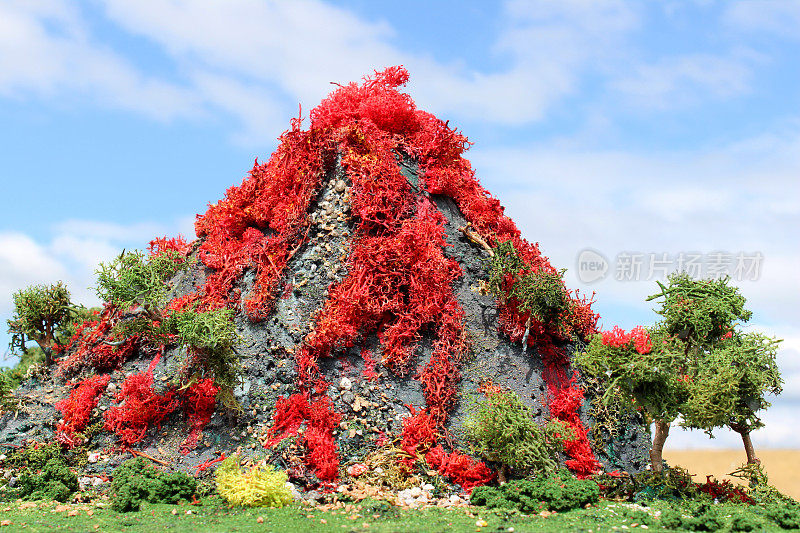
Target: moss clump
{"x":503,"y":430}
{"x":55,"y":481}
{"x":786,"y":516}
{"x":261,"y":486}
{"x":135,"y":481}
{"x":701,"y":517}
{"x":541,"y":293}
{"x":558,"y":492}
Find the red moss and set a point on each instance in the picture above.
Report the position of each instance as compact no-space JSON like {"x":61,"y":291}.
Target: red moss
{"x":160,"y":245}
{"x":460,"y":468}
{"x":617,"y":338}
{"x":94,"y":345}
{"x":258,"y":223}
{"x":297,"y":410}
{"x":139,"y":408}
{"x":419,"y":432}
{"x":77,"y":408}
{"x":199,"y":401}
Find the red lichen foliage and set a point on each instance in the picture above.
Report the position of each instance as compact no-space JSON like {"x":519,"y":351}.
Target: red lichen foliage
{"x":199,"y":401}
{"x":256,"y":224}
{"x":460,"y":468}
{"x":296,"y":410}
{"x":77,"y":408}
{"x":139,"y":408}
{"x":94,"y":345}
{"x":419,"y":432}
{"x":724,"y":491}
{"x":638,"y":336}
{"x":399,"y":282}
{"x":159,"y":245}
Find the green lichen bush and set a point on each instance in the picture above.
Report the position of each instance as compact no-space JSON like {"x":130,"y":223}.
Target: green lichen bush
{"x":212,"y":336}
{"x":700,"y":311}
{"x":134,"y":280}
{"x":260,"y":486}
{"x":135,"y":481}
{"x":54,"y":481}
{"x":559,"y":491}
{"x":502,"y":429}
{"x":541,"y":293}
{"x":787,"y":515}
{"x":696,"y":517}
{"x":730,"y":386}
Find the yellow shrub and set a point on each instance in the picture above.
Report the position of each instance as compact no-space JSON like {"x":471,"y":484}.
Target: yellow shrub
{"x":262,"y":485}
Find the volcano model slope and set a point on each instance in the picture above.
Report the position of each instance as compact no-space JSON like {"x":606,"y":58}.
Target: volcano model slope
{"x":375,"y":288}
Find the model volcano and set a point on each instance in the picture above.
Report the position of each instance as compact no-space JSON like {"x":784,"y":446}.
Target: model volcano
{"x":375,"y":287}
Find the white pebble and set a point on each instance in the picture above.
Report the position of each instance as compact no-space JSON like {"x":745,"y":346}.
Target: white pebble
{"x":345,"y":384}
{"x":416,"y":492}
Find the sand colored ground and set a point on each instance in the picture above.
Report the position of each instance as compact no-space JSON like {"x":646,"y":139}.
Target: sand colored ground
{"x":783,"y":466}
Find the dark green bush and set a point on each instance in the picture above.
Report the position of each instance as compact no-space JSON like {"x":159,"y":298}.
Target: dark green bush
{"x":558,"y":492}
{"x":135,"y":481}
{"x":55,"y":481}
{"x":746,"y":522}
{"x":786,"y":516}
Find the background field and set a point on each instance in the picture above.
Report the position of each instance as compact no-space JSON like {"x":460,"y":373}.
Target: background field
{"x":783,"y":466}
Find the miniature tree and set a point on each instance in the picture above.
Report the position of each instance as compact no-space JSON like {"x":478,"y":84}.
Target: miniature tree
{"x":730,"y":386}
{"x":39,"y":312}
{"x":647,"y":367}
{"x":728,"y":373}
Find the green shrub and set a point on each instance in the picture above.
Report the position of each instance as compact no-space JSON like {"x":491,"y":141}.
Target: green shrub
{"x":55,"y":481}
{"x":34,"y":457}
{"x":132,"y":279}
{"x":786,"y":516}
{"x":503,"y":430}
{"x":541,"y":293}
{"x":746,"y":521}
{"x":212,"y":335}
{"x":135,"y":481}
{"x":558,"y":492}
{"x":670,"y":484}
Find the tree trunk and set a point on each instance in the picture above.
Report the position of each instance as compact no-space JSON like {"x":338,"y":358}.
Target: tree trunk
{"x":502,"y":474}
{"x":748,"y":444}
{"x":656,"y":452}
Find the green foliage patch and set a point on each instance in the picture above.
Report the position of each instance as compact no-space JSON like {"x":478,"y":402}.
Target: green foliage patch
{"x":132,"y":279}
{"x":135,"y":481}
{"x":557,"y":492}
{"x":503,"y":430}
{"x":54,"y":481}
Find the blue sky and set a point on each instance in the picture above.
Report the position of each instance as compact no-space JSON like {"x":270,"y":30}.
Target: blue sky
{"x":624,"y":127}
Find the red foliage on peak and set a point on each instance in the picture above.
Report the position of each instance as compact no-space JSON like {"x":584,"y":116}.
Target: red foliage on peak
{"x":399,"y":281}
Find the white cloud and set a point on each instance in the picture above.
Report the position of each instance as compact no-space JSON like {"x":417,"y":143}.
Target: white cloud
{"x":291,"y":50}
{"x":775,"y":17}
{"x":676,"y":82}
{"x":46,"y":51}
